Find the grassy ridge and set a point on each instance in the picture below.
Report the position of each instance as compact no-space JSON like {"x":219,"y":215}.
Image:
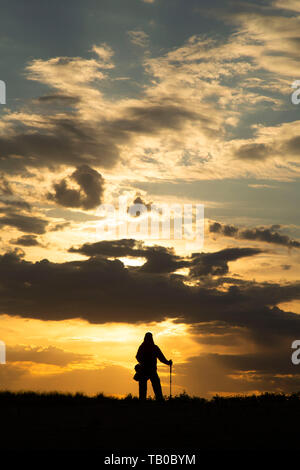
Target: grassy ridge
{"x":32,"y":420}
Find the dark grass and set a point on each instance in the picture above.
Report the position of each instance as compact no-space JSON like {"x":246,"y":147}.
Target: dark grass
{"x":44,"y":421}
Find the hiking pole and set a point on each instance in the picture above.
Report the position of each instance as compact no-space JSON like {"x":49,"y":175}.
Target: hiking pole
{"x":170,"y":381}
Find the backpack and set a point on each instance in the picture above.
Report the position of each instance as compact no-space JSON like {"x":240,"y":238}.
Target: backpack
{"x":138,"y":372}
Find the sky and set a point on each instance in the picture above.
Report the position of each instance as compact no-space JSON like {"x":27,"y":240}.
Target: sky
{"x":156,"y":102}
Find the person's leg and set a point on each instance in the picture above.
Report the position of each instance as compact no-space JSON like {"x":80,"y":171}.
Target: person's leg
{"x":156,"y":386}
{"x":143,"y":389}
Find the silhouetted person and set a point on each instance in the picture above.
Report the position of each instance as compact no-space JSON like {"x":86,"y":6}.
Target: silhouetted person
{"x":147,"y":356}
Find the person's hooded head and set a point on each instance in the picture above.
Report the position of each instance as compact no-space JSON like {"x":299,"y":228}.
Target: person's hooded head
{"x":148,"y":340}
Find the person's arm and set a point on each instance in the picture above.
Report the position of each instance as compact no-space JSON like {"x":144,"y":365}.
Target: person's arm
{"x":162,"y":358}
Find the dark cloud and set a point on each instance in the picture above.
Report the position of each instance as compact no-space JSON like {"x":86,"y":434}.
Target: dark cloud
{"x":217,"y":329}
{"x":153,"y":118}
{"x":63,"y":142}
{"x":293,"y":146}
{"x":268,"y":235}
{"x":89,"y":194}
{"x":26,"y":240}
{"x":46,"y":355}
{"x":275,"y":362}
{"x":163,"y":260}
{"x":18,"y":203}
{"x":64,"y":195}
{"x":5,"y":187}
{"x":253,"y":151}
{"x":158,"y":259}
{"x":102,"y":290}
{"x":240,"y":374}
{"x":58,"y":98}
{"x":59,"y":226}
{"x":260,"y":152}
{"x":111,"y":248}
{"x":24,"y":223}
{"x":134,"y":211}
{"x":216,"y":263}
{"x":70,"y":141}
{"x":227,"y":230}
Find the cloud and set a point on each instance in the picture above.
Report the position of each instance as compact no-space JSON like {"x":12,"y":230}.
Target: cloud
{"x":44,"y":355}
{"x":227,"y":230}
{"x":292,"y":5}
{"x":103,"y":290}
{"x":5,"y":187}
{"x":158,"y":259}
{"x":62,"y":140}
{"x":65,"y":72}
{"x":89,"y":196}
{"x":133,"y":208}
{"x":188,"y":106}
{"x":264,"y":371}
{"x":155,"y":117}
{"x":233,"y":315}
{"x":258,"y":186}
{"x":58,"y":98}
{"x":66,"y":141}
{"x":139,"y":38}
{"x":164,"y":260}
{"x":17,"y":203}
{"x":170,"y":115}
{"x":24,"y":223}
{"x":268,"y":235}
{"x":292,"y":146}
{"x":275,"y":34}
{"x":59,"y":226}
{"x":280,"y":141}
{"x":254,"y":151}
{"x":114,"y":248}
{"x":104,"y":53}
{"x":138,"y":200}
{"x":216,"y":264}
{"x":26,"y":240}
{"x":106,"y":379}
